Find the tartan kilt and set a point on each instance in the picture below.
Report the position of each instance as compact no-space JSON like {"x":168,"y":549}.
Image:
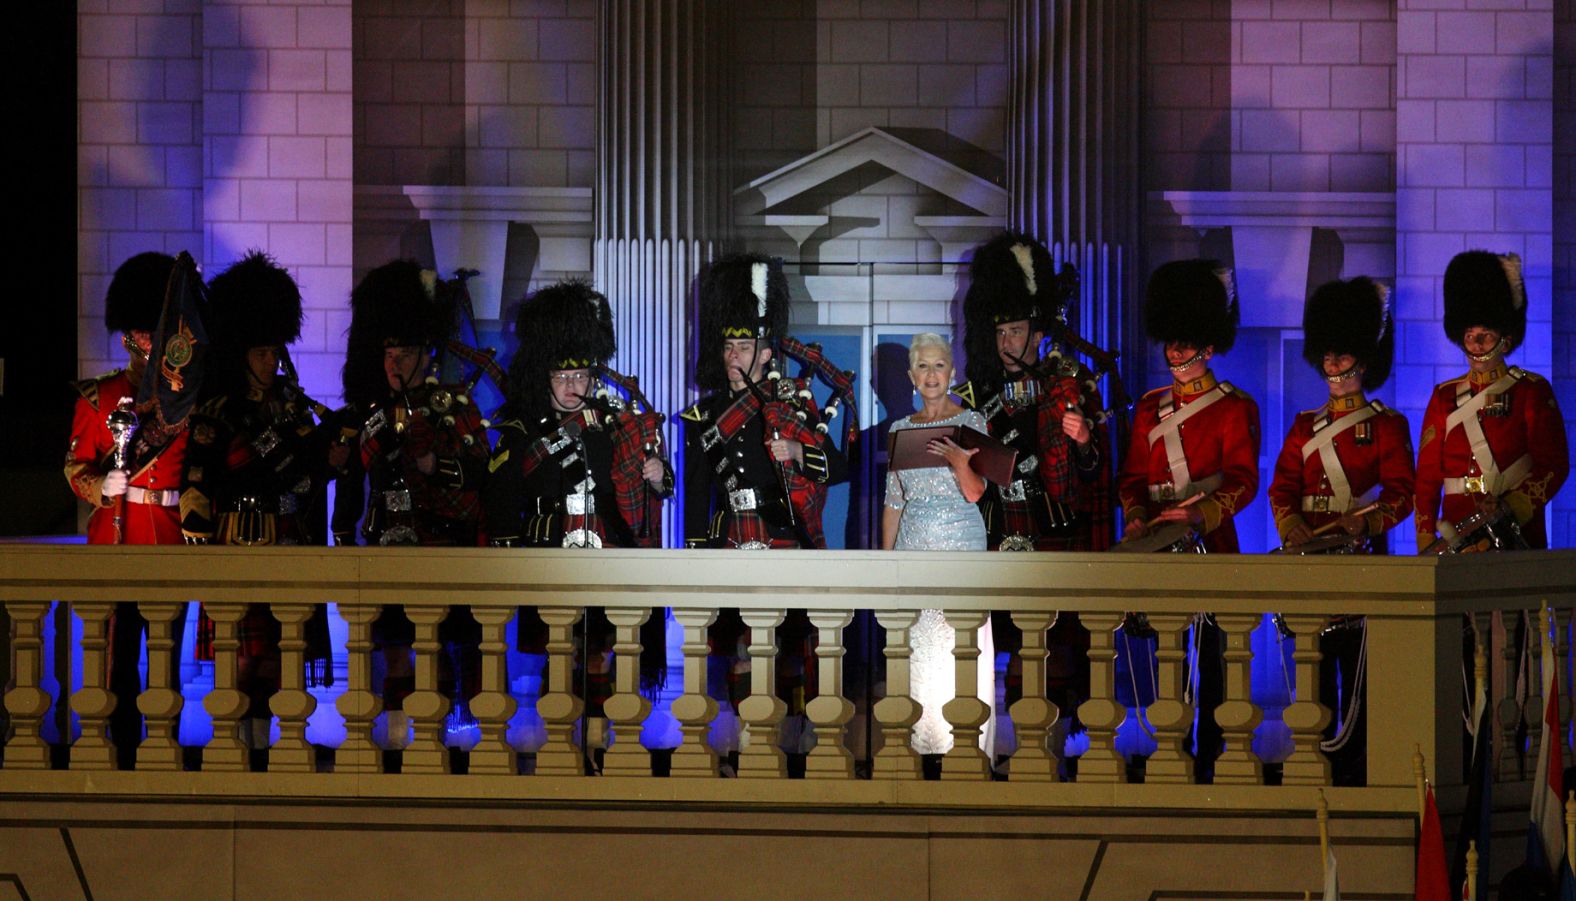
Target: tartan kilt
{"x":257,"y":632}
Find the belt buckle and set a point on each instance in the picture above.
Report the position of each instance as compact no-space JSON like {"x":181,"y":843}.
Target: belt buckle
{"x":397,"y":501}
{"x":1014,"y":491}
{"x":1320,"y":503}
{"x":579,"y":504}
{"x":1474,"y":485}
{"x":742,"y":499}
{"x":710,"y":438}
{"x":288,"y":503}
{"x":1166,"y":492}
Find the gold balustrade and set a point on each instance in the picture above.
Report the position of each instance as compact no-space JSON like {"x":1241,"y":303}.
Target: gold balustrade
{"x":1414,"y":606}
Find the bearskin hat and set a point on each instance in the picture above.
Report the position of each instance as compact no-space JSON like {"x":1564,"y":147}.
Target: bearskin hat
{"x":254,"y":303}
{"x":564,"y":326}
{"x":1011,"y":278}
{"x":1350,"y":317}
{"x":1485,"y":289}
{"x":398,"y":304}
{"x":741,"y":296}
{"x":1193,"y":301}
{"x":136,"y":293}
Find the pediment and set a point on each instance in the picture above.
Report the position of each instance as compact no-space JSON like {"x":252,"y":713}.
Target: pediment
{"x":872,"y":145}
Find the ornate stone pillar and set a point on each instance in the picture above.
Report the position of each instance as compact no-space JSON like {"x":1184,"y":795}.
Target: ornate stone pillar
{"x":1237,"y":715}
{"x":694,"y":709}
{"x":559,"y":708}
{"x":1307,"y":716}
{"x":93,"y":702}
{"x":965,"y":712}
{"x":26,"y":702}
{"x":292,"y":703}
{"x":897,"y":712}
{"x":427,"y":706}
{"x":226,"y":703}
{"x":493,"y":755}
{"x":762,"y":711}
{"x":830,"y":711}
{"x":360,"y":704}
{"x":1033,"y":714}
{"x":627,"y":708}
{"x":1170,"y":714}
{"x":1101,"y":715}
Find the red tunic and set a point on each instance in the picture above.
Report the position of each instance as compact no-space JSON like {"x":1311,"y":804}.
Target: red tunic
{"x":87,"y":461}
{"x":1523,"y":421}
{"x":1222,"y":439}
{"x":1374,"y":454}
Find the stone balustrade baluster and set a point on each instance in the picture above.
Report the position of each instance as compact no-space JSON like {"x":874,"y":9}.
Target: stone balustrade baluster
{"x":427,"y":706}
{"x":1307,"y":715}
{"x":1101,"y":714}
{"x":292,"y":703}
{"x":627,"y":708}
{"x":1034,"y":714}
{"x":559,"y":707}
{"x":94,"y":702}
{"x":226,"y":704}
{"x":362,"y":702}
{"x":27,"y":702}
{"x":493,"y":706}
{"x":830,"y":711}
{"x":898,"y":711}
{"x":1237,"y":715}
{"x":161,"y":703}
{"x":966,"y":713}
{"x":694,"y":709}
{"x":760,"y":757}
{"x":1171,"y":713}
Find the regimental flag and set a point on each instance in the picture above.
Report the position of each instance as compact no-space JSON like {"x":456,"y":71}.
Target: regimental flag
{"x":180,"y":346}
{"x":1546,"y":828}
{"x":1433,"y":880}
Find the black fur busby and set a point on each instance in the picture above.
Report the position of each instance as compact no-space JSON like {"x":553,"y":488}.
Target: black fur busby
{"x":136,"y":292}
{"x":254,"y":303}
{"x":1011,"y":278}
{"x":398,"y":304}
{"x":1192,"y":301}
{"x":741,"y":296}
{"x":1485,"y":289}
{"x":1351,"y":317}
{"x":564,"y":326}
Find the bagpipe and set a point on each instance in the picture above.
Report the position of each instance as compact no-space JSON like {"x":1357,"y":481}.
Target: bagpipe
{"x":634,"y":427}
{"x":841,"y":381}
{"x":1063,"y":335}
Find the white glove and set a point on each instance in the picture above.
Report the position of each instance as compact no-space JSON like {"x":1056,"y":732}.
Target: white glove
{"x":115,"y":482}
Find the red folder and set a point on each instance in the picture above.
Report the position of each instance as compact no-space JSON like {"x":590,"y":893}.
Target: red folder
{"x":906,"y":449}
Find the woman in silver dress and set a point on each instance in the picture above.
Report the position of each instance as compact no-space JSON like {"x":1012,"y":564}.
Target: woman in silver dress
{"x":933,"y":509}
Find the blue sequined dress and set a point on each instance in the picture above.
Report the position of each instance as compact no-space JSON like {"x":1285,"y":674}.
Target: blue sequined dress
{"x":937,"y":517}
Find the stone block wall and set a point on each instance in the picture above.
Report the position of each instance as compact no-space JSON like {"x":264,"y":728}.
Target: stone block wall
{"x":139,"y":148}
{"x":1563,"y":362}
{"x":277,"y":149}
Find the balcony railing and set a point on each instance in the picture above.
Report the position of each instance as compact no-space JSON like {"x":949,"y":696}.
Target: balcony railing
{"x":1415,"y":610}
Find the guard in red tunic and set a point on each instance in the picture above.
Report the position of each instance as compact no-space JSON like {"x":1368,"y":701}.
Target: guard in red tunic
{"x":1345,"y":477}
{"x":1191,"y":465}
{"x":1493,"y":450}
{"x":1193,"y":457}
{"x":1346,"y":465}
{"x":135,"y":497}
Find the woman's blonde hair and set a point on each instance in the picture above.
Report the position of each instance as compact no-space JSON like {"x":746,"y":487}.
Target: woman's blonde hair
{"x":924,"y":340}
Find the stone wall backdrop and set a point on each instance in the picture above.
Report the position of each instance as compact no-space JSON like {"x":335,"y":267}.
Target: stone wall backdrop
{"x":1564,"y":356}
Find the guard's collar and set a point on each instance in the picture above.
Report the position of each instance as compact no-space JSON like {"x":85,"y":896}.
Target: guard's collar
{"x":1194,"y":387}
{"x":1484,"y":379}
{"x":1347,"y":404}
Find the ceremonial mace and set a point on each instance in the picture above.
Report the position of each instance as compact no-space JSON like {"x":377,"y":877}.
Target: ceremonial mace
{"x":121,"y":422}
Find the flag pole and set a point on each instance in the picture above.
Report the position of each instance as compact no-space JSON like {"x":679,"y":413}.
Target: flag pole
{"x":1421,"y":775}
{"x":1472,"y":869}
{"x":1323,"y":816}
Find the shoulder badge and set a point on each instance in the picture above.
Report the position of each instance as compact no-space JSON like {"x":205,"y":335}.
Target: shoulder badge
{"x":1379,"y":406}
{"x":89,"y":389}
{"x":1520,"y":373}
{"x":1228,"y":387}
{"x":695,"y":414}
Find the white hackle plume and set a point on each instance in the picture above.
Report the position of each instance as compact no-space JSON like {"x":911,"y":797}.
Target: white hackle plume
{"x":429,"y":283}
{"x":1384,"y":309}
{"x":1025,"y":258}
{"x":1511,"y":263}
{"x":1228,"y":279}
{"x":758,"y":288}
